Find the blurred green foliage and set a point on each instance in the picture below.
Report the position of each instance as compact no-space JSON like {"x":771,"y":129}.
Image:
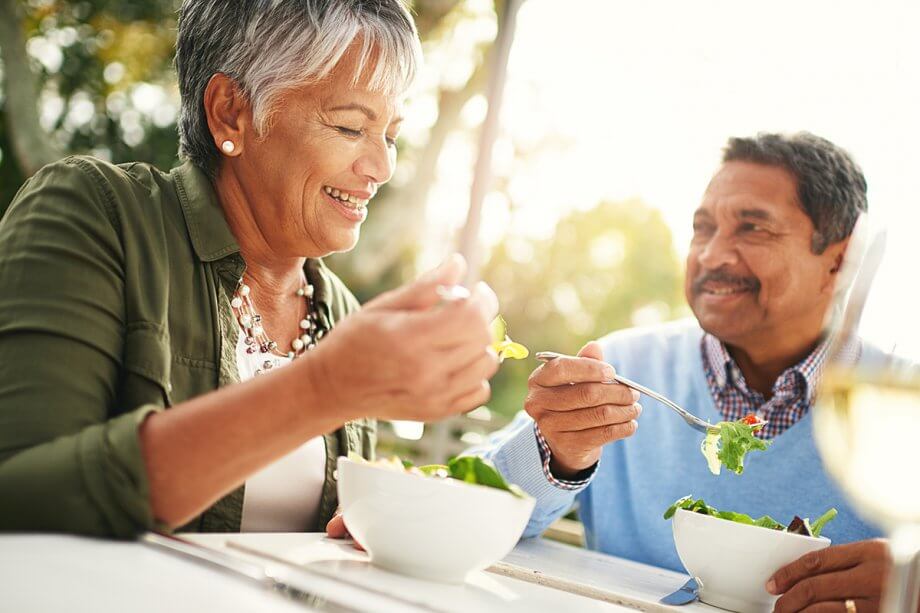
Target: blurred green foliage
{"x":95,"y":61}
{"x":604,"y":269}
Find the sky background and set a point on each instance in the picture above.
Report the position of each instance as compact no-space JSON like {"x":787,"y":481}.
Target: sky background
{"x":648,"y":92}
{"x":627,"y":99}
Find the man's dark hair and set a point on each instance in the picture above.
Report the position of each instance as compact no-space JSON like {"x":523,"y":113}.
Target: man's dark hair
{"x":831,"y":186}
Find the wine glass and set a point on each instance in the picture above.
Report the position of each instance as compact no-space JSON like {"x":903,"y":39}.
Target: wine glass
{"x":867,"y":415}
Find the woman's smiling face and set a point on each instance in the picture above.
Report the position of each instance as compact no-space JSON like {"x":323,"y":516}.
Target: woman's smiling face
{"x":326,"y":150}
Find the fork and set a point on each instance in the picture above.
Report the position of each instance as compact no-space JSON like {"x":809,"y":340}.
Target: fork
{"x":692,"y":420}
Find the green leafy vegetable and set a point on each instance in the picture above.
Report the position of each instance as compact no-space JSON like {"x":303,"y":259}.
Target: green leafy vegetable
{"x":699,"y":506}
{"x":678,"y":504}
{"x":431,"y":470}
{"x":502,"y":343}
{"x":470,"y":469}
{"x":768,"y":522}
{"x":710,"y":449}
{"x":737,"y":439}
{"x":729,"y":443}
{"x":821,"y":521}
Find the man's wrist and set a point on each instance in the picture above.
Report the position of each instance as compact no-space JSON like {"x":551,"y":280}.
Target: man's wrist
{"x":546,"y":459}
{"x":562,"y":471}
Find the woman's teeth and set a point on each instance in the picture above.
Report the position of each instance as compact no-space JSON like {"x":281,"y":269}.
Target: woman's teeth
{"x":346,"y":198}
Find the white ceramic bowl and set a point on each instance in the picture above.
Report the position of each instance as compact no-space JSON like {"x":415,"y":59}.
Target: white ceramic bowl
{"x":437,"y":529}
{"x":734,"y":561}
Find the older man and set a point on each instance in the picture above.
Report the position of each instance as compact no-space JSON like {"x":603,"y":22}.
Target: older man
{"x":768,"y":241}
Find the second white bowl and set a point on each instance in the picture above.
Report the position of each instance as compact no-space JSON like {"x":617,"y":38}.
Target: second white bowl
{"x":734,"y":561}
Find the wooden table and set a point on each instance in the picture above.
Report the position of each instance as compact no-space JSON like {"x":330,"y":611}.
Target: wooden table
{"x":58,"y":573}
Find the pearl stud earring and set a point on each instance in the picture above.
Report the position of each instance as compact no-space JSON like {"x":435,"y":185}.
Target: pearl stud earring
{"x":227,"y":146}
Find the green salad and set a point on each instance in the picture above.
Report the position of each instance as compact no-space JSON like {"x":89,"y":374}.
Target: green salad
{"x":796,"y":526}
{"x":469,"y":469}
{"x":730,"y":441}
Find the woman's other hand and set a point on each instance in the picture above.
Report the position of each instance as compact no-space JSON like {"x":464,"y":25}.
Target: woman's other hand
{"x":408,"y":355}
{"x":336,"y":529}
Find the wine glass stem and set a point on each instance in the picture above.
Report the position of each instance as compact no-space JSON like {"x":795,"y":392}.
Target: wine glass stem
{"x":902,"y":594}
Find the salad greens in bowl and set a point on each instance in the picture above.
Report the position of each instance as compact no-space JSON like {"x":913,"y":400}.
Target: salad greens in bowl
{"x":733,"y":555}
{"x":436,"y":522}
{"x":797,"y":526}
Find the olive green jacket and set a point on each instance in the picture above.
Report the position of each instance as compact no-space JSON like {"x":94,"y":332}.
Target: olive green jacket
{"x":114,"y":302}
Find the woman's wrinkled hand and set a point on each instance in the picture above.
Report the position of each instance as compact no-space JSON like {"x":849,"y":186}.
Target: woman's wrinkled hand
{"x":824,"y":580}
{"x":409,"y":355}
{"x":336,"y":529}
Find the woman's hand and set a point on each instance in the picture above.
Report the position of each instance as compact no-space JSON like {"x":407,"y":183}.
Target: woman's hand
{"x":824,"y":580}
{"x":407,"y":355}
{"x":336,"y":529}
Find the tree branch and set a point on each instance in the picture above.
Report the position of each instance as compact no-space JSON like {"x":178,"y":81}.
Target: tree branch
{"x":32,"y":146}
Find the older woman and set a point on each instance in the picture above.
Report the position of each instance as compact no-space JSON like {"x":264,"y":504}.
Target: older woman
{"x":126,"y":291}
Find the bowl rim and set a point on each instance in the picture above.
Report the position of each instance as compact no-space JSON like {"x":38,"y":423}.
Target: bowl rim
{"x":820,"y":539}
{"x":448,"y":482}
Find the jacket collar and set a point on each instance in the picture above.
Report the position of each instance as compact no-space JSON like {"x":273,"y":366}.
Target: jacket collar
{"x":207,"y":226}
{"x":211,"y":235}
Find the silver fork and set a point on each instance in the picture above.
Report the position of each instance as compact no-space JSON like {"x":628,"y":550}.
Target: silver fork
{"x":692,"y":420}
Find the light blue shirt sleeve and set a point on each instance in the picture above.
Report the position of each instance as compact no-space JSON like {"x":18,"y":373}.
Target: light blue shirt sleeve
{"x":514,"y":451}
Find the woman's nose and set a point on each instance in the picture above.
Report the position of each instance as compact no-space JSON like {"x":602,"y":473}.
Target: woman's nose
{"x":377,"y":163}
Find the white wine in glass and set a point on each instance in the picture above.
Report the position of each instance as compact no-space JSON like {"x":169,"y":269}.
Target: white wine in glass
{"x":869,"y":442}
{"x":867,"y":416}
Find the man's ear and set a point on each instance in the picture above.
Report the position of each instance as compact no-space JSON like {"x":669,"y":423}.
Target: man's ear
{"x":833,"y":257}
{"x":838,"y":251}
{"x":228,"y":112}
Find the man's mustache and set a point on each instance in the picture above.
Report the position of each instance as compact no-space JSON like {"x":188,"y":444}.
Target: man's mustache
{"x":722,"y":276}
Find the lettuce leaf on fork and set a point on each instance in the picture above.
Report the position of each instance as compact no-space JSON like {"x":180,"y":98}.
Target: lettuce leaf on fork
{"x":502,"y":343}
{"x":730,"y":442}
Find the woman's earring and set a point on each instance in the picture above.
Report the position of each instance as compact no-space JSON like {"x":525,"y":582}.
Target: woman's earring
{"x":227,"y":146}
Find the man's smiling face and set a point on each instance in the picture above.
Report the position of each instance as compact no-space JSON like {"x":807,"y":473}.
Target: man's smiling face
{"x":752,"y":276}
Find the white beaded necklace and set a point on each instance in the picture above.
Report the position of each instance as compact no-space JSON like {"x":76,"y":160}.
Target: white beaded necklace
{"x":255,"y":339}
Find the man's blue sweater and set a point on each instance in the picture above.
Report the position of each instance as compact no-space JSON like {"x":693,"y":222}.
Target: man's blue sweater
{"x":638,"y":478}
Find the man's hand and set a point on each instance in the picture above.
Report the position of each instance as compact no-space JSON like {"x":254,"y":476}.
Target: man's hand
{"x":576,"y":412}
{"x":824,"y":580}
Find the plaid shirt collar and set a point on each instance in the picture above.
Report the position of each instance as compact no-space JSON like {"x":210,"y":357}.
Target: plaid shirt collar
{"x":799,"y":380}
{"x":793,"y":392}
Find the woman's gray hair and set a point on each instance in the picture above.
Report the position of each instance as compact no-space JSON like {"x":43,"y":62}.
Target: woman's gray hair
{"x":269,"y":46}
